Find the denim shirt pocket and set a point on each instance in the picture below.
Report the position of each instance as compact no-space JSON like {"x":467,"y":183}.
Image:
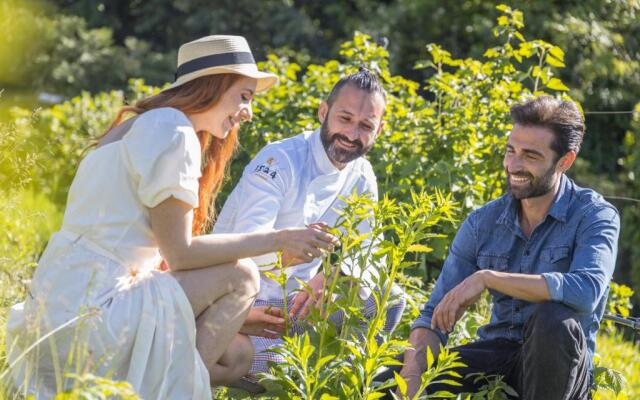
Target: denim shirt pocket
{"x":555,"y":259}
{"x":493,"y":262}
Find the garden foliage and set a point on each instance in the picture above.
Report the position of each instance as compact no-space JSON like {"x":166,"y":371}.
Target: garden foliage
{"x":439,"y":157}
{"x":631,"y":180}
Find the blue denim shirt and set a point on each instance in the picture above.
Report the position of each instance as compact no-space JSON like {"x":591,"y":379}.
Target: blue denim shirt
{"x":574,"y":248}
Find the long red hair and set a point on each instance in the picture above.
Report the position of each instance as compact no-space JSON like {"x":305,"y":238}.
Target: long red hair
{"x":197,"y":96}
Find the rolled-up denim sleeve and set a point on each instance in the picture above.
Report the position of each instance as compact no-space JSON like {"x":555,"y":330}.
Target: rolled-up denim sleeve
{"x":592,"y":265}
{"x":460,"y":263}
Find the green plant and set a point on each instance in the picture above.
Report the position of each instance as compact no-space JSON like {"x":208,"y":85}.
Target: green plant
{"x":326,"y":361}
{"x":608,"y":379}
{"x":631,"y":178}
{"x":618,"y":303}
{"x":436,"y":373}
{"x":52,"y":141}
{"x":27,"y":217}
{"x":621,"y":356}
{"x":90,"y":387}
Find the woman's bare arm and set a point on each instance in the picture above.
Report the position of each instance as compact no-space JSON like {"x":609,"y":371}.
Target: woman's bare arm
{"x":171,"y":223}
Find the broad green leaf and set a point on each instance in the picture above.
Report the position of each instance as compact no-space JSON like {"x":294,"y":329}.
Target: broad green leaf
{"x":449,"y":382}
{"x":556,"y":84}
{"x":402,"y":384}
{"x":554,"y":62}
{"x":321,"y":362}
{"x":536,"y":72}
{"x":557,"y":52}
{"x":510,"y":391}
{"x":430,"y":358}
{"x":419,"y":248}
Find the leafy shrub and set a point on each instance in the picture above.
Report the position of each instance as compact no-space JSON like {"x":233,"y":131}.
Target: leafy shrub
{"x":61,"y":54}
{"x":60,"y":136}
{"x":620,"y":355}
{"x":631,"y":179}
{"x":326,"y":363}
{"x":459,"y":134}
{"x":20,"y":28}
{"x":619,"y":303}
{"x":28,"y":218}
{"x":88,"y":386}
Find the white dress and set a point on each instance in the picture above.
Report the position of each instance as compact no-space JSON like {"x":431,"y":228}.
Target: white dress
{"x":96,"y":303}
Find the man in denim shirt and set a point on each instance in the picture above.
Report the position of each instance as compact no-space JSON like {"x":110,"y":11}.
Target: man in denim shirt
{"x":545,"y":251}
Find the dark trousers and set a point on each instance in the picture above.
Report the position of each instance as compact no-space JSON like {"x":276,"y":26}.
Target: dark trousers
{"x":551,"y":362}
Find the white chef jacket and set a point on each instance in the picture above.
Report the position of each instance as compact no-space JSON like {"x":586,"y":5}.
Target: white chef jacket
{"x":291,"y":183}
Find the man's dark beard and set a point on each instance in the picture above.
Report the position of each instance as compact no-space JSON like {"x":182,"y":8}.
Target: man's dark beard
{"x":337,"y":154}
{"x":536,"y":187}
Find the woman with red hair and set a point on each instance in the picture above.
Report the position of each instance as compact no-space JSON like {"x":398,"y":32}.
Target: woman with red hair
{"x":98,"y":301}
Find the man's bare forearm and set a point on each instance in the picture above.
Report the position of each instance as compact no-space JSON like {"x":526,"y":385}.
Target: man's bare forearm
{"x":527,"y":287}
{"x":415,"y":359}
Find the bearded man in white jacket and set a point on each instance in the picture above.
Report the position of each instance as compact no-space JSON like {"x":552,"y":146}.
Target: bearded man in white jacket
{"x":299,"y":181}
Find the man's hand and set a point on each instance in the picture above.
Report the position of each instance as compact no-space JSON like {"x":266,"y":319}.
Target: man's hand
{"x":264,"y":321}
{"x":303,"y":300}
{"x":454,"y":303}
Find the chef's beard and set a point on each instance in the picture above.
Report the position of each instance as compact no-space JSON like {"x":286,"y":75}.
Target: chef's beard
{"x":336,"y":153}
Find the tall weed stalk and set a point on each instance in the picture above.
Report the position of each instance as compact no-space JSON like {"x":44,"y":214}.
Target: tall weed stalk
{"x":327,"y":361}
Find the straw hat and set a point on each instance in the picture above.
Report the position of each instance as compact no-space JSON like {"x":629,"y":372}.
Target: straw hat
{"x":219,"y":54}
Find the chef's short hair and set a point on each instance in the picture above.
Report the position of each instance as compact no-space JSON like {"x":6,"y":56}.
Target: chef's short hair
{"x":364,"y":79}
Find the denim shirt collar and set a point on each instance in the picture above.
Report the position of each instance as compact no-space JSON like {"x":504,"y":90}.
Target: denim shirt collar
{"x":562,"y":201}
{"x":558,"y":209}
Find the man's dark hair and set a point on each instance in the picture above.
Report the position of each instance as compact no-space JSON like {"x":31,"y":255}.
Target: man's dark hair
{"x":363,"y":80}
{"x":561,"y":117}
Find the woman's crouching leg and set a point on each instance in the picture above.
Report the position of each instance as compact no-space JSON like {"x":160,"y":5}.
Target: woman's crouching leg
{"x":234,"y":363}
{"x":221,"y":297}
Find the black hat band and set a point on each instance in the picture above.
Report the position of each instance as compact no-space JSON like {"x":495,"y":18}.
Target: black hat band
{"x":214,"y":60}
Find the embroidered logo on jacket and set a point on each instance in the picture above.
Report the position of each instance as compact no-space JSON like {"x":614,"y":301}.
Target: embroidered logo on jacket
{"x":267,"y":170}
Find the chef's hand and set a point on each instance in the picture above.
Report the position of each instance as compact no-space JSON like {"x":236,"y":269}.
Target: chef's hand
{"x":307,"y":297}
{"x":264,"y":321}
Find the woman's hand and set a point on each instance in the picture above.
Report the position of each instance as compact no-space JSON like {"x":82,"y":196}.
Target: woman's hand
{"x":171,"y":223}
{"x":302,"y":245}
{"x":264,"y":321}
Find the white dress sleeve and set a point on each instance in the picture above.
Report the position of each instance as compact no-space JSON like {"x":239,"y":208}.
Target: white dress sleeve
{"x":164,"y":156}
